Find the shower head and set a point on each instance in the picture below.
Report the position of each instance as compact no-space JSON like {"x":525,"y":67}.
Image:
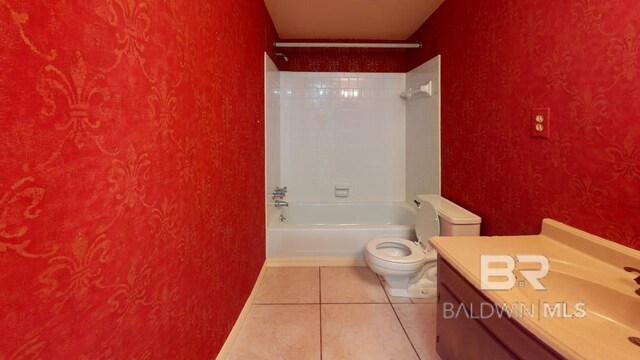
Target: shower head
{"x":286,"y":59}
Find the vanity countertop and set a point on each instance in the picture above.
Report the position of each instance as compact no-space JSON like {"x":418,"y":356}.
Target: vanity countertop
{"x":583,"y":269}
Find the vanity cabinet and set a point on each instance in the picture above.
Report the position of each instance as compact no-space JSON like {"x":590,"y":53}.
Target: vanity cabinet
{"x":475,"y":337}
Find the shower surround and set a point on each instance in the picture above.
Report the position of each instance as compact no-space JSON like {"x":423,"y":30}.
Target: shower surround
{"x":342,"y":129}
{"x":348,"y":134}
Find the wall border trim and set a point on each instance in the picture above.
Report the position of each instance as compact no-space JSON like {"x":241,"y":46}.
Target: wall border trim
{"x":231,"y":338}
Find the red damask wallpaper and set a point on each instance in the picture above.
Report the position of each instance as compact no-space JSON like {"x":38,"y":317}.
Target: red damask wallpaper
{"x":502,"y":58}
{"x":342,"y":59}
{"x":131,"y":149}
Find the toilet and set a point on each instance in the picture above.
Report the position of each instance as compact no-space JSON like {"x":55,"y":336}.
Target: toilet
{"x":409,"y":267}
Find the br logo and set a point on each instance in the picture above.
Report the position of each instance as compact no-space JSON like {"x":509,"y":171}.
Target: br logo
{"x":497,"y":272}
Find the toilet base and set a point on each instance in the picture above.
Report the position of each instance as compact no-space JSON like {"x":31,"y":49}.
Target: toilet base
{"x":418,"y":290}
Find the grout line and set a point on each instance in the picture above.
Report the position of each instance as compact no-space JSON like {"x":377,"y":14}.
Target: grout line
{"x":266,"y":270}
{"x":280,"y":304}
{"x":342,"y":303}
{"x":320,"y":306}
{"x":355,"y":303}
{"x":399,"y":321}
{"x":319,"y":284}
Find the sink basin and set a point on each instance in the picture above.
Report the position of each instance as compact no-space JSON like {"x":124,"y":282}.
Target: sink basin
{"x":571,"y":290}
{"x":588,"y":309}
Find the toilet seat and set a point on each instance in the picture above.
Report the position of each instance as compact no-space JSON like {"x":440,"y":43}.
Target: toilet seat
{"x":414,"y":252}
{"x":409,"y":269}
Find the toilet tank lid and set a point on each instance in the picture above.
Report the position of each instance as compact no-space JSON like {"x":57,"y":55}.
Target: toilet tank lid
{"x":449,"y":211}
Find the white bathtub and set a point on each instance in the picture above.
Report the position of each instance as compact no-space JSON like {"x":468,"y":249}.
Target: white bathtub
{"x":333,"y":234}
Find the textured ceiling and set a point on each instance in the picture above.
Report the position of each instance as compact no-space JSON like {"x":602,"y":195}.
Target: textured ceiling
{"x":349,"y":19}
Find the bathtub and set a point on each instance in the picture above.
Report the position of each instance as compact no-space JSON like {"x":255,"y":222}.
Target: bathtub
{"x":333,"y":234}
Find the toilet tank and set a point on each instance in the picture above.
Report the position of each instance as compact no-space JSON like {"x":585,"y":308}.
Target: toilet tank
{"x":454,"y":219}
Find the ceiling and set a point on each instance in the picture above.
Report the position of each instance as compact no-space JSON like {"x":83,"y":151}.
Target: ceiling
{"x":349,"y":19}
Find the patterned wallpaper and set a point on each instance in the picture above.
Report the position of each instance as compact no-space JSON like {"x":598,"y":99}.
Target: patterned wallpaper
{"x":500,"y":59}
{"x":131,"y":149}
{"x":342,"y":59}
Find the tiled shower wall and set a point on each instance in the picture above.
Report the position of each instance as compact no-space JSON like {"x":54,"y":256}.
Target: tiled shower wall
{"x":272,"y":129}
{"x":342,"y":128}
{"x":423,"y":132}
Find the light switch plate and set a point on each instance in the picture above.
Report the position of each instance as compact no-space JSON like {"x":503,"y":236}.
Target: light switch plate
{"x":540,"y":121}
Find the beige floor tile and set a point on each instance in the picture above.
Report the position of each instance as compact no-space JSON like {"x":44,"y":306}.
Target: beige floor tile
{"x":363,"y":332}
{"x":419,"y":321}
{"x":350,"y":285}
{"x":295,"y":285}
{"x":271,"y":332}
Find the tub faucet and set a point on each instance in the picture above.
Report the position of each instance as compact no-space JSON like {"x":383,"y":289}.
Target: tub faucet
{"x":637,"y":279}
{"x":279,"y":192}
{"x":279,"y":203}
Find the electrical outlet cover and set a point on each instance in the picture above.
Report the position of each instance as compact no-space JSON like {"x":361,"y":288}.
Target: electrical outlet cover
{"x":540,"y":122}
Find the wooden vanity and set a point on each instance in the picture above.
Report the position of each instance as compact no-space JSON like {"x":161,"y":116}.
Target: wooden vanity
{"x":583,"y":269}
{"x":473,"y":337}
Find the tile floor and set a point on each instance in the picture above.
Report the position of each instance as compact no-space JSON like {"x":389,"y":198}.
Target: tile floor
{"x":333,"y":313}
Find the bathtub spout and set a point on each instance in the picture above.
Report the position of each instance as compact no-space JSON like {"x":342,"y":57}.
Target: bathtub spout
{"x":279,"y":203}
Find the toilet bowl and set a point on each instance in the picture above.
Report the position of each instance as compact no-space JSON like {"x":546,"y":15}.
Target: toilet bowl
{"x":409,"y":267}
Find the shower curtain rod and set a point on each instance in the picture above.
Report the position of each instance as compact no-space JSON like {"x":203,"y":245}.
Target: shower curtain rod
{"x":348,"y":45}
